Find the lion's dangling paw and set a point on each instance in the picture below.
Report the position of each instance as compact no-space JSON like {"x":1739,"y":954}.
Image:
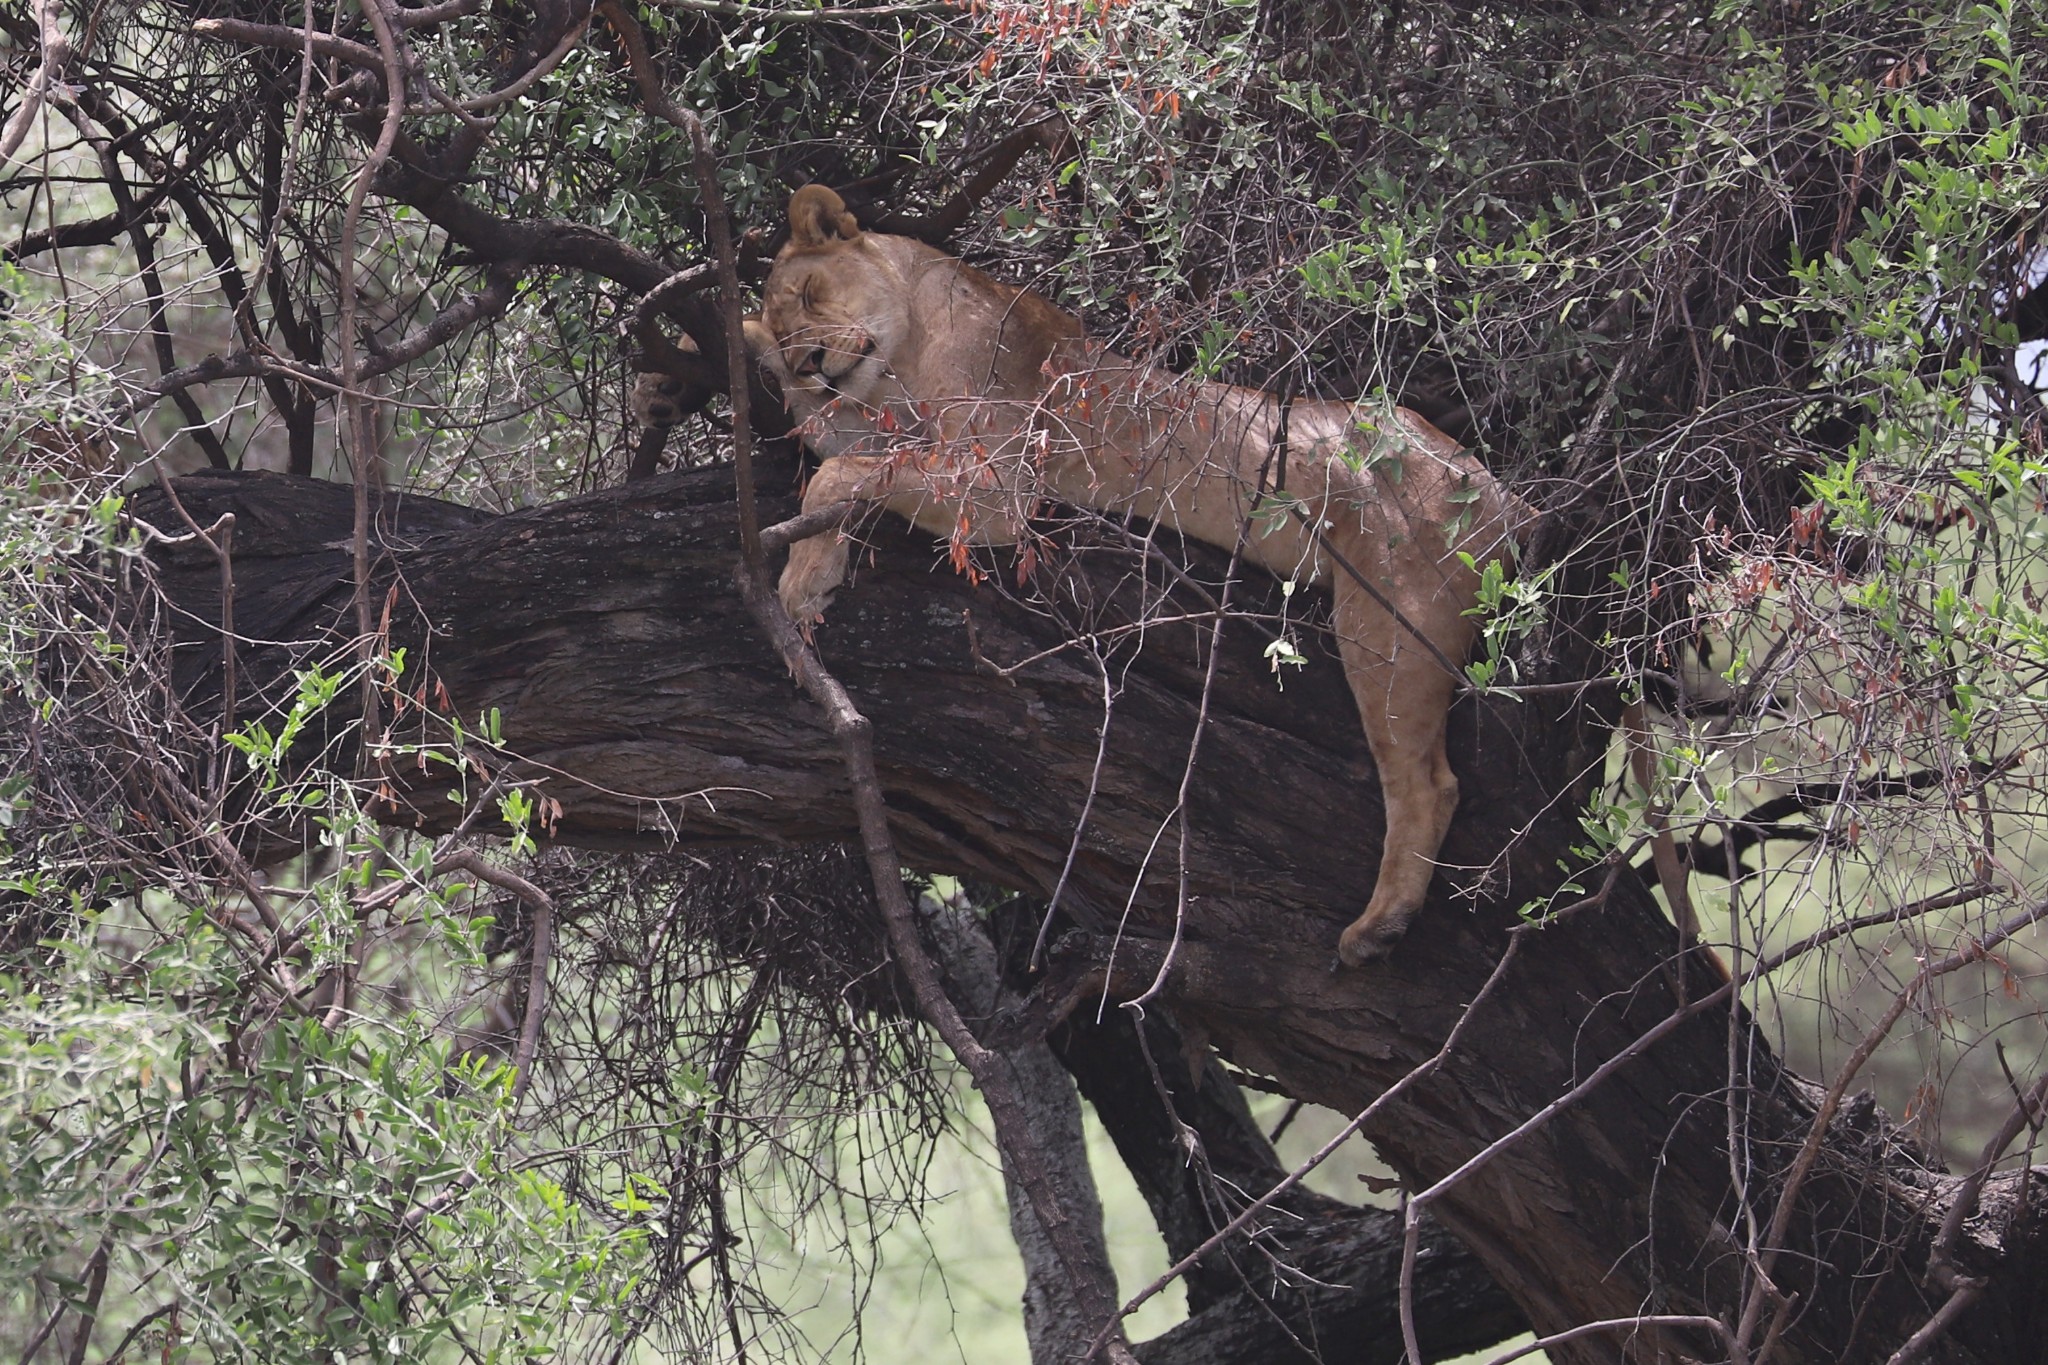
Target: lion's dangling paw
{"x":1369,"y":939}
{"x":816,"y":568}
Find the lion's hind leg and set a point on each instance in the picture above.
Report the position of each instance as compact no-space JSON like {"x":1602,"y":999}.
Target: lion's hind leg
{"x":1404,"y":696}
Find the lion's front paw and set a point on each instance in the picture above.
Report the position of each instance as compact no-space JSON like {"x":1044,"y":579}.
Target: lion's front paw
{"x":815,"y":570}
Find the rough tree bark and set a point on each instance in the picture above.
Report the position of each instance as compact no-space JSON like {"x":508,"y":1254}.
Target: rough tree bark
{"x":1322,"y":1279}
{"x":1055,"y":1325}
{"x":607,"y":633}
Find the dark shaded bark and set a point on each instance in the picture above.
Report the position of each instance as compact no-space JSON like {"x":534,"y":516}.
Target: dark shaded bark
{"x":1322,"y":1277}
{"x":1056,"y":1325}
{"x":1116,"y":1072}
{"x":606,"y":632}
{"x":1342,"y":1302}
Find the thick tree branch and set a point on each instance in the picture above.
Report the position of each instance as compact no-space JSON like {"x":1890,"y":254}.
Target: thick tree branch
{"x":643,"y":701}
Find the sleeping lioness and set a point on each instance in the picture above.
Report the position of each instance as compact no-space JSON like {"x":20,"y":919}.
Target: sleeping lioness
{"x":962,"y":404}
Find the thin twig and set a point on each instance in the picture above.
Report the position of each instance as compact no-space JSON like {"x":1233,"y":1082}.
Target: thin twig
{"x":1802,"y":1165}
{"x":218,"y":538}
{"x":540,"y":69}
{"x":141,"y":1325}
{"x":1059,"y":888}
{"x":1917,"y":1346}
{"x":1315,"y":529}
{"x":196,"y":424}
{"x":1965,"y":1290}
{"x":724,"y":257}
{"x":2026,"y":1112}
{"x":42,"y":1334}
{"x":501,"y":284}
{"x":291,"y":40}
{"x":1586,"y":1329}
{"x":1187,"y":770}
{"x":288,"y":167}
{"x":1052,"y":133}
{"x":988,"y":1070}
{"x":539,"y":957}
{"x":499,"y":291}
{"x":1656,"y":1034}
{"x":848,"y":15}
{"x":361,"y":429}
{"x":542,"y":910}
{"x":437,"y":14}
{"x":1645,"y":760}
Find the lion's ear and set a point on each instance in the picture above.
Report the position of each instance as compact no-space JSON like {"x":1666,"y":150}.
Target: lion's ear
{"x":818,"y":216}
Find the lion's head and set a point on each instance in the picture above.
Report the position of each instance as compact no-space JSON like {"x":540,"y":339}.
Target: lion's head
{"x":835,"y":303}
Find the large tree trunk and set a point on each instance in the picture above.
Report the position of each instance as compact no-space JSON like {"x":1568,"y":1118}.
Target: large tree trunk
{"x":607,"y":634}
{"x":1056,"y":1325}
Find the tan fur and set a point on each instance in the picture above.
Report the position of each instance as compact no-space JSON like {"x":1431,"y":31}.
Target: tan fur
{"x":668,"y":386}
{"x":961,"y":404}
{"x":656,"y":399}
{"x":71,"y":456}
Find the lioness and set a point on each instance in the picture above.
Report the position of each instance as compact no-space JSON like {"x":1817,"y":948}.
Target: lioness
{"x":962,"y":404}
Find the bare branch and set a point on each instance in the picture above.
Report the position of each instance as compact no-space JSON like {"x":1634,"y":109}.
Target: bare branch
{"x":681,"y":285}
{"x":1966,"y":1292}
{"x":541,"y":950}
{"x":85,"y":232}
{"x":500,"y":288}
{"x":196,"y":424}
{"x":548,"y":63}
{"x":1323,"y":1153}
{"x":49,"y":75}
{"x":290,"y":40}
{"x":1051,"y":133}
{"x":724,"y":258}
{"x":1618,"y":1325}
{"x":823,"y":15}
{"x":437,"y":14}
{"x":1974,"y":951}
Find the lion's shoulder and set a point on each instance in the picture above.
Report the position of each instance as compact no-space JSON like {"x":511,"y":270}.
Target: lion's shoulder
{"x":1008,"y":331}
